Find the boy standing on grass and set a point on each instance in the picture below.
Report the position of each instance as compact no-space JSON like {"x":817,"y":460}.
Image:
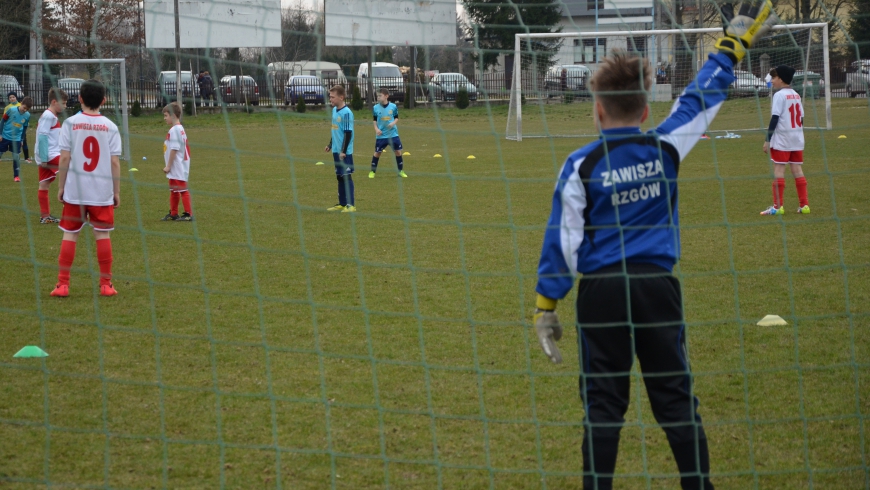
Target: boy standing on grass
{"x":386,"y":116}
{"x":615,"y":221}
{"x":13,"y":126}
{"x":89,"y":184}
{"x":785,"y":140}
{"x":341,"y":146}
{"x":47,"y":150}
{"x":176,"y":155}
{"x":13,"y":102}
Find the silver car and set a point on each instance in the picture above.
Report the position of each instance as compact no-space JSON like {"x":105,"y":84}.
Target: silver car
{"x":858,"y":78}
{"x":570,"y":79}
{"x":445,"y":86}
{"x":8,"y":83}
{"x":747,"y":85}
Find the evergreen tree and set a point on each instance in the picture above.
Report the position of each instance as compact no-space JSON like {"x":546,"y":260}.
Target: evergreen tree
{"x":495,"y":22}
{"x":356,"y":102}
{"x":859,"y":27}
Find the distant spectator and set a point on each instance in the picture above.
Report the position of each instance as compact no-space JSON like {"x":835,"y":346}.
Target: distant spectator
{"x":206,"y":88}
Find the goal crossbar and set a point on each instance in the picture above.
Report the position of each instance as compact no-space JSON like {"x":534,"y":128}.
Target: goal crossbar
{"x":125,"y":133}
{"x":516,"y":103}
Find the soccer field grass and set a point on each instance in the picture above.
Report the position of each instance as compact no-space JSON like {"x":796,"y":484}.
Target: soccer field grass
{"x":271,"y":342}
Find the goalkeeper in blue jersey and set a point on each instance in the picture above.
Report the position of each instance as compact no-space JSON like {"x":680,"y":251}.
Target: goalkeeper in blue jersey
{"x":341,"y":146}
{"x":615,"y":221}
{"x":386,"y":116}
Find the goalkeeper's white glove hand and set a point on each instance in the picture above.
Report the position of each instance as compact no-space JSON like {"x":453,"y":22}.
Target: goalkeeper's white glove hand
{"x":549,"y":331}
{"x":752,"y":22}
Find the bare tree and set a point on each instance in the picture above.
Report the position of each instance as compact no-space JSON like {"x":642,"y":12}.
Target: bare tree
{"x":90,"y":29}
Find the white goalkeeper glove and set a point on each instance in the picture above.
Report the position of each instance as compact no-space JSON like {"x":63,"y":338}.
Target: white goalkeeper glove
{"x":548,"y":328}
{"x":752,"y":22}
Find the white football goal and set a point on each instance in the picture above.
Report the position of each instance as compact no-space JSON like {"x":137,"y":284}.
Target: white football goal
{"x":544,"y":76}
{"x":112,"y":72}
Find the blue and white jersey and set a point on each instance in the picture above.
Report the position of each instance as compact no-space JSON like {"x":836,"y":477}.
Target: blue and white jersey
{"x":385,"y":115}
{"x":616,"y":198}
{"x":14,"y":123}
{"x":342,"y":120}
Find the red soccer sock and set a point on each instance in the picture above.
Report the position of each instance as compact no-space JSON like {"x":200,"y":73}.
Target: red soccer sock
{"x":44,"y":208}
{"x":801,"y":184}
{"x":778,"y":192}
{"x":173,"y":203}
{"x":104,"y":258}
{"x":185,"y":199}
{"x":65,"y":261}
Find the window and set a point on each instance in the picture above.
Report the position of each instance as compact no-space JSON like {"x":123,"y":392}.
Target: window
{"x":590,"y":54}
{"x":637,"y":45}
{"x":578,"y":52}
{"x":590,"y":4}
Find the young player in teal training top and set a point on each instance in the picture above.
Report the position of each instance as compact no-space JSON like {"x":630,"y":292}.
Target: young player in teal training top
{"x":615,"y":221}
{"x":386,"y":116}
{"x":13,"y":124}
{"x":341,"y":146}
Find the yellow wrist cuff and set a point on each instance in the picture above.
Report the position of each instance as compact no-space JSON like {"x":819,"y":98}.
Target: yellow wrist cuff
{"x":545,"y":303}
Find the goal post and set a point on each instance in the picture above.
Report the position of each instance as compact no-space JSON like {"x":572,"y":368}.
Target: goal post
{"x":115,"y":89}
{"x":676,"y":55}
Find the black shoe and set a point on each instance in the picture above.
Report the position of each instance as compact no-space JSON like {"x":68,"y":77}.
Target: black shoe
{"x":185,"y":216}
{"x":170,"y":217}
{"x":48,"y":220}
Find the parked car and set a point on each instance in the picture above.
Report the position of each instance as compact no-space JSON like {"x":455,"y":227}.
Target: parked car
{"x":572,"y":79}
{"x":308,"y":88}
{"x":169,"y":89}
{"x":71,"y":86}
{"x":445,"y":86}
{"x":746,"y":84}
{"x":815,"y":85}
{"x":9,"y":83}
{"x":230,"y":93}
{"x":858,"y":78}
{"x":330,"y":73}
{"x":385,"y":75}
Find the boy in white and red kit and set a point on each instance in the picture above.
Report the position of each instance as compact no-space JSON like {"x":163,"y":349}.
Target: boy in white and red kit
{"x":47,"y":150}
{"x":89,"y":184}
{"x":176,"y":154}
{"x":785,"y":140}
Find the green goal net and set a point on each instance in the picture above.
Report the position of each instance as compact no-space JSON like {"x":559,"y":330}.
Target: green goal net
{"x":270,"y":343}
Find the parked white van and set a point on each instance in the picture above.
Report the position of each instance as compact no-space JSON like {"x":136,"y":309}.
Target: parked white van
{"x":330,"y":73}
{"x":385,"y":75}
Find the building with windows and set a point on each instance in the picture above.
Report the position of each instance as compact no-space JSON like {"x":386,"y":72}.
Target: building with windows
{"x":604,"y":15}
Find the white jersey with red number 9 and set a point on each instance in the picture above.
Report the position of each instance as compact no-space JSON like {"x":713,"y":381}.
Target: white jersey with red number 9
{"x":789,"y":132}
{"x":92,"y":140}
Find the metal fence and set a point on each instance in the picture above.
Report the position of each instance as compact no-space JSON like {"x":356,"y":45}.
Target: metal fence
{"x":263,"y":92}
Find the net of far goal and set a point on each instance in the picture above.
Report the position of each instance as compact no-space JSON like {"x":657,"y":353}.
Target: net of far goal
{"x":549,"y":72}
{"x":35,"y":78}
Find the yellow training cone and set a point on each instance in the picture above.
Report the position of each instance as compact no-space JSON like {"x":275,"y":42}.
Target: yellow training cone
{"x":406,"y":154}
{"x":319,"y":163}
{"x":771,"y":321}
{"x":437,"y":155}
{"x":471,"y":157}
{"x":134,"y":169}
{"x":842,"y":137}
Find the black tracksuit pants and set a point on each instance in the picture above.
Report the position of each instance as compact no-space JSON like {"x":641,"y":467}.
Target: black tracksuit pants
{"x":619,"y":317}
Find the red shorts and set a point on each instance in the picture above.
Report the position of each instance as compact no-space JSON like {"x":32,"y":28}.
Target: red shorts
{"x":785,"y":156}
{"x":49,"y":171}
{"x":74,"y":216}
{"x":177,"y":185}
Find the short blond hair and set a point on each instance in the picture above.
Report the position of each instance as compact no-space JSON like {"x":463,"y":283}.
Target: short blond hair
{"x":621,"y":84}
